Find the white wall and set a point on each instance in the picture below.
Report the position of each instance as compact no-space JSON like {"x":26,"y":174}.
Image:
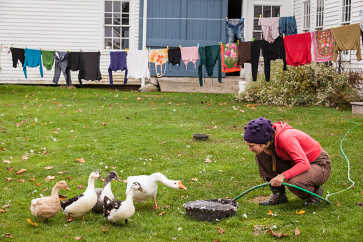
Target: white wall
{"x":55,"y":25}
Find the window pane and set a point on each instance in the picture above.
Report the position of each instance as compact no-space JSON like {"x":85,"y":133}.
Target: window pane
{"x":116,"y":19}
{"x":125,"y":19}
{"x":266,"y":11}
{"x":125,"y":31}
{"x":108,"y":15}
{"x":275,"y":11}
{"x":125,"y":7}
{"x":255,"y":25}
{"x":116,"y":32}
{"x":125,"y":44}
{"x":116,"y":6}
{"x":108,"y":43}
{"x":108,"y":6}
{"x":108,"y":20}
{"x":116,"y":44}
{"x":258,"y":11}
{"x":108,"y":31}
{"x":257,"y":35}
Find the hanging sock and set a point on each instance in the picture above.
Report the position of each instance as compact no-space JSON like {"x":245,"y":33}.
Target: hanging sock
{"x":48,"y":59}
{"x":17,"y":55}
{"x":209,"y":56}
{"x":33,"y":58}
{"x":117,"y":62}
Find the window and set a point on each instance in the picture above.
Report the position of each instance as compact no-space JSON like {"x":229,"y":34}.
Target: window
{"x":263,"y":11}
{"x":319,"y":14}
{"x":346,"y":11}
{"x":117,"y":24}
{"x":306,"y":16}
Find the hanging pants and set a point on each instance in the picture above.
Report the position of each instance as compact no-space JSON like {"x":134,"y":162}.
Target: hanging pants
{"x":209,"y":56}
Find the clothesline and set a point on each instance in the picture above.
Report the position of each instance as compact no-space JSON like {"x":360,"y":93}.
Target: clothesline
{"x":199,"y":19}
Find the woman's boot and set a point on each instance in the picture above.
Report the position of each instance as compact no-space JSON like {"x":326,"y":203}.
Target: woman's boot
{"x":278,"y":196}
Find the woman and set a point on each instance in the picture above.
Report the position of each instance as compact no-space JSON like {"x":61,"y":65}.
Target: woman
{"x":284,"y":154}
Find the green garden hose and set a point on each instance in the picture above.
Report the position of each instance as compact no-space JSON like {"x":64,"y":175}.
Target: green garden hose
{"x":284,"y":183}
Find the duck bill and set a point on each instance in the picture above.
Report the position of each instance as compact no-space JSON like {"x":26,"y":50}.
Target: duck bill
{"x":119,"y":180}
{"x":181,"y":186}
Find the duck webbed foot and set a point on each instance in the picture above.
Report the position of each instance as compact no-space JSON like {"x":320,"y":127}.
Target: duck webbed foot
{"x":155,"y":204}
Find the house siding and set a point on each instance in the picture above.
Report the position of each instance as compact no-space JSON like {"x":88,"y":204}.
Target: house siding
{"x":56,"y":25}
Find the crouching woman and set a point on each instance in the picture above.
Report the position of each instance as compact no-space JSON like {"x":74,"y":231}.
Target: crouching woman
{"x":284,"y":154}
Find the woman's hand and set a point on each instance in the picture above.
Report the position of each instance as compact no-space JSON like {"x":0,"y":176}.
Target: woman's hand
{"x":277,"y":180}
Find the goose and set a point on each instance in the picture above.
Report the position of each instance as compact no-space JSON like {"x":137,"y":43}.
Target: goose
{"x":79,"y":205}
{"x":117,"y":210}
{"x":105,"y":191}
{"x":46,"y":207}
{"x":150,"y":186}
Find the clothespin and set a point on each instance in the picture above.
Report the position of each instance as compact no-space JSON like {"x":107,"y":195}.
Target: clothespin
{"x":238,"y":42}
{"x":226,"y":18}
{"x":198,"y":45}
{"x":260,"y":16}
{"x":180,"y":46}
{"x":167,"y":47}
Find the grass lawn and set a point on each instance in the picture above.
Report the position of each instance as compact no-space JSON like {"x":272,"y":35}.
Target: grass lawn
{"x":142,"y":133}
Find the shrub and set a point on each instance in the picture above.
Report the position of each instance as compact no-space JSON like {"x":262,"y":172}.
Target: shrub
{"x":315,"y":84}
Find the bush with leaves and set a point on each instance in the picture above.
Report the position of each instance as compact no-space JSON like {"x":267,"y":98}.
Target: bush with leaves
{"x":315,"y":84}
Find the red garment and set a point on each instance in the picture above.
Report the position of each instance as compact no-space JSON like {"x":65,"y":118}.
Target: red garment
{"x":295,"y":145}
{"x":298,"y":49}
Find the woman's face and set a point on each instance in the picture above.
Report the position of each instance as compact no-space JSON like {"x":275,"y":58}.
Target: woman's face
{"x":256,"y":148}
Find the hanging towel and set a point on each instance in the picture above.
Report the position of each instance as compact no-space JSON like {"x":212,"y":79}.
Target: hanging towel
{"x":137,"y":64}
{"x":189,"y":54}
{"x":174,"y":55}
{"x":159,"y":57}
{"x":89,"y":66}
{"x":117,"y":62}
{"x":270,"y":51}
{"x":33,"y":58}
{"x":61,"y":63}
{"x":270,"y":28}
{"x":73,"y":65}
{"x":48,"y":59}
{"x":209,"y":56}
{"x":229,"y":56}
{"x":287,"y":25}
{"x":244,"y":52}
{"x":323,"y":45}
{"x":298,"y":49}
{"x":347,"y":37}
{"x":17,"y":55}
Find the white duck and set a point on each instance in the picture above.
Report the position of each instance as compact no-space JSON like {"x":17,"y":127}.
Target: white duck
{"x":150,"y":186}
{"x":117,"y":210}
{"x":81,"y":204}
{"x":105,"y":191}
{"x":46,"y":207}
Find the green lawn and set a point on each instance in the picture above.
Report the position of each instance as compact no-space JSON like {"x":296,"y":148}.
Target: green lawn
{"x":142,"y":133}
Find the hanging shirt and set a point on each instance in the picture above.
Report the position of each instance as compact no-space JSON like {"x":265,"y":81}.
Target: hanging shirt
{"x":229,"y":56}
{"x":137,"y":64}
{"x":244,"y":52}
{"x":189,"y":54}
{"x":61,"y":63}
{"x":117,"y":62}
{"x":323,"y":45}
{"x":174,"y":55}
{"x":287,"y":25}
{"x":48,"y":59}
{"x":270,"y":28}
{"x":298,"y":49}
{"x":159,"y":57}
{"x":17,"y":55}
{"x":347,"y":37}
{"x":89,"y":66}
{"x":73,"y":65}
{"x":33,"y":58}
{"x":209,"y":57}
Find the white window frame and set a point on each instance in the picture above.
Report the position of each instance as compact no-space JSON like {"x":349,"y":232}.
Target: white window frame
{"x":116,"y":25}
{"x":307,"y":13}
{"x":346,"y":11}
{"x":319,"y":14}
{"x":256,"y":18}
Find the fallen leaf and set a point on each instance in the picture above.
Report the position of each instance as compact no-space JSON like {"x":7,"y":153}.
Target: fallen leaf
{"x":8,"y":235}
{"x":9,"y":179}
{"x":48,"y":167}
{"x":3,"y":210}
{"x":208,"y":160}
{"x":6,"y":206}
{"x":20,"y":123}
{"x":20,"y":171}
{"x":104,"y":123}
{"x":80,"y":160}
{"x":269,"y":212}
{"x":361,"y":192}
{"x":45,"y":189}
{"x":80,"y":187}
{"x":38,"y":184}
{"x":166,"y":207}
{"x":49,"y":178}
{"x":359,"y":204}
{"x":139,"y":98}
{"x":31,"y":222}
{"x":339,"y":204}
{"x":104,"y":229}
{"x":32,"y":179}
{"x":69,"y":178}
{"x":25,"y":157}
{"x":301,"y":212}
{"x":7,"y":161}
{"x":10,"y":168}
{"x":162,"y":213}
{"x":195,"y":179}
{"x":297,"y":231}
{"x":77,"y":237}
{"x":2,"y":149}
{"x":277,"y":235}
{"x":216,"y":240}
{"x":21,"y":180}
{"x":220,"y":230}
{"x":60,"y":172}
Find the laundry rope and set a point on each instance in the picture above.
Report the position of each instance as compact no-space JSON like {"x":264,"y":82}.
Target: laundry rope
{"x":200,"y":19}
{"x":347,"y":160}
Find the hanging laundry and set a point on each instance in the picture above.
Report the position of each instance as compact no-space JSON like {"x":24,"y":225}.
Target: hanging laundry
{"x":244,"y":52}
{"x":48,"y":59}
{"x":209,"y":56}
{"x":347,"y":37}
{"x":73,"y":65}
{"x":234,"y":29}
{"x":361,"y":20}
{"x":323,"y":45}
{"x":61,"y":63}
{"x":138,"y":65}
{"x":270,"y":28}
{"x":270,"y":51}
{"x":174,"y":55}
{"x":159,"y":57}
{"x":89,"y":66}
{"x":298,"y":49}
{"x":189,"y":54}
{"x":33,"y":58}
{"x":287,"y":25}
{"x":117,"y":62}
{"x":17,"y":55}
{"x":229,"y":56}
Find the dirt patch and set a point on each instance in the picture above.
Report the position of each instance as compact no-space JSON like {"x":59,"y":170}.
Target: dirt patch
{"x":258,"y":199}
